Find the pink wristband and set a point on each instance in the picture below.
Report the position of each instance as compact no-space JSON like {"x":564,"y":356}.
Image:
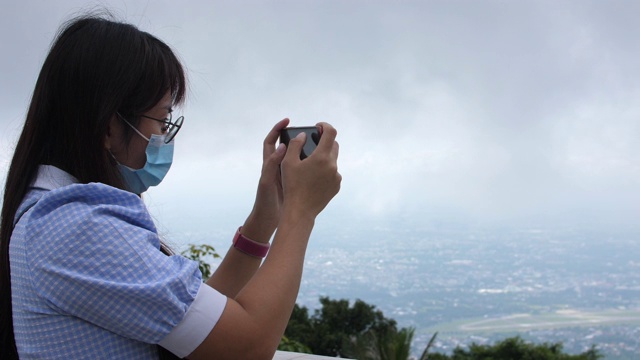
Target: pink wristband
{"x":249,"y":246}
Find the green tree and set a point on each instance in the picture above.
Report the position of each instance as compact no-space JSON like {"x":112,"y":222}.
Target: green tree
{"x":334,"y":325}
{"x":357,"y":330}
{"x":515,"y":348}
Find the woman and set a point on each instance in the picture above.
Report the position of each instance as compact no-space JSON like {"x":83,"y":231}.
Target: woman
{"x":83,"y":272}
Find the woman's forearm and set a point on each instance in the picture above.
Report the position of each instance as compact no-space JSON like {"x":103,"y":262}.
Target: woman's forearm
{"x":252,"y":324}
{"x":237,"y":267}
{"x":233,"y":272}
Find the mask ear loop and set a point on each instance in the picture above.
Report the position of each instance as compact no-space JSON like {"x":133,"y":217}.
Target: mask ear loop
{"x":133,"y":127}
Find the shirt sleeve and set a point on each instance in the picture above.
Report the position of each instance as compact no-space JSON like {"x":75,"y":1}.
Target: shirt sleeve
{"x":197,"y":322}
{"x":95,"y":256}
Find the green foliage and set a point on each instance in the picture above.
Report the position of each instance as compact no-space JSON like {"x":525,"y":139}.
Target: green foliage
{"x":336,"y":324}
{"x":516,"y":348}
{"x":425,"y":353}
{"x":287,"y":344}
{"x":361,"y":332}
{"x":199,"y":253}
{"x":390,"y":345}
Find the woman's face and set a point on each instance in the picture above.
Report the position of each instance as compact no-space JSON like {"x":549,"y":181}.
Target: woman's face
{"x":133,"y":154}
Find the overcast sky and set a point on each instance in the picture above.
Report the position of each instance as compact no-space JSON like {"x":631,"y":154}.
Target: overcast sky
{"x":479,"y":110}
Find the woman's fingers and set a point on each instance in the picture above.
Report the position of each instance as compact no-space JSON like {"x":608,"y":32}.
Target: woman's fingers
{"x":327,"y":138}
{"x":270,"y":168}
{"x":311,"y":183}
{"x":273,"y":135}
{"x":295,"y":147}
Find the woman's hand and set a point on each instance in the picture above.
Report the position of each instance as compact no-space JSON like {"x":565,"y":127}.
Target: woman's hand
{"x":265,"y":215}
{"x":311,"y":183}
{"x":254,"y":320}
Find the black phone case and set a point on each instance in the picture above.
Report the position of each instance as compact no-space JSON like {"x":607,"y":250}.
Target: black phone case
{"x":313,"y":137}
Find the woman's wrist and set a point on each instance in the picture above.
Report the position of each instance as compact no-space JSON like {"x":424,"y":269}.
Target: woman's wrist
{"x":296,"y":216}
{"x":297,"y":209}
{"x":248,"y":246}
{"x":256,"y":230}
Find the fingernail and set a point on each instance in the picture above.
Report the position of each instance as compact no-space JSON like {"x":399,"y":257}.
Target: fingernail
{"x":299,"y":136}
{"x":280,"y":148}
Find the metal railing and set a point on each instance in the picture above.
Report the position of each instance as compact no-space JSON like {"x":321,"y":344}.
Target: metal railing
{"x":285,"y":355}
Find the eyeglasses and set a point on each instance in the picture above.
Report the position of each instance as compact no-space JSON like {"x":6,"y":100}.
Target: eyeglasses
{"x":172,"y":128}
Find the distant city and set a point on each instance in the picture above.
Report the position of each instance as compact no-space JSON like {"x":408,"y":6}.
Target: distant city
{"x":577,"y":286}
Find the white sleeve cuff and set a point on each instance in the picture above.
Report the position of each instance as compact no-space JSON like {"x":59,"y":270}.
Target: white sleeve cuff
{"x":201,"y":317}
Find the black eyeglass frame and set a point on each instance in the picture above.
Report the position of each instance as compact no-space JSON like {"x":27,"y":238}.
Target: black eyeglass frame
{"x":172,"y":127}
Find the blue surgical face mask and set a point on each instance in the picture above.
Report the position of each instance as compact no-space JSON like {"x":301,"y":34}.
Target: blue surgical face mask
{"x":159,"y":159}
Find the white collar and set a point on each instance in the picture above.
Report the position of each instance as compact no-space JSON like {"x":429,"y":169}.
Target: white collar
{"x":50,"y":177}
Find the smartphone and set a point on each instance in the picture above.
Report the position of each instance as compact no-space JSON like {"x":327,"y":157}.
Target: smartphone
{"x":313,"y":137}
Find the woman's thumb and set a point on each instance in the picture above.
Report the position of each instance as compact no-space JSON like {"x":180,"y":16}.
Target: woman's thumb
{"x":295,"y":146}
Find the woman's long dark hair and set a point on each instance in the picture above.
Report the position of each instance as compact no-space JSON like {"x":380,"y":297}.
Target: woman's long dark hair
{"x":95,"y":68}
